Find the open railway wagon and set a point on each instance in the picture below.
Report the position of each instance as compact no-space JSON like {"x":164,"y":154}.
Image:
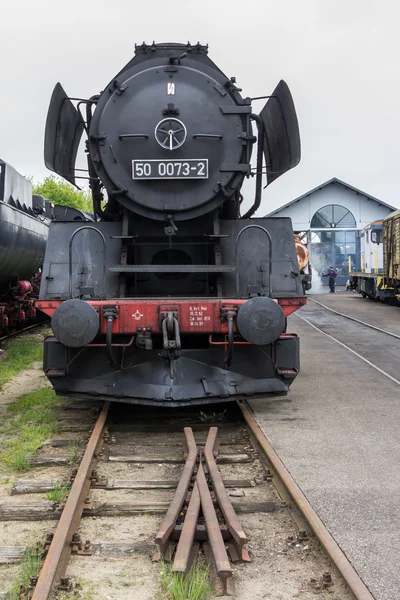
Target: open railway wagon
{"x":24,"y":226}
{"x":171,"y":296}
{"x":379,"y":277}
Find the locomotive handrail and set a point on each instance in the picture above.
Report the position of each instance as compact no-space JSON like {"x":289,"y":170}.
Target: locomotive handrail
{"x":70,"y":257}
{"x":269,"y":258}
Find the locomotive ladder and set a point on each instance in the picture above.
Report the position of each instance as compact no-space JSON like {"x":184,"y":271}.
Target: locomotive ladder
{"x":194,"y":499}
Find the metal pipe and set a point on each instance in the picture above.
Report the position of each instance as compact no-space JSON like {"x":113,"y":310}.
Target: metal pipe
{"x":351,"y":577}
{"x":229,"y":353}
{"x":260,"y":150}
{"x":111,"y":358}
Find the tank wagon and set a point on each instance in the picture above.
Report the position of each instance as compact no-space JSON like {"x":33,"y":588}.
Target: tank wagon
{"x":172,"y":296}
{"x":23,"y":235}
{"x":379,"y":277}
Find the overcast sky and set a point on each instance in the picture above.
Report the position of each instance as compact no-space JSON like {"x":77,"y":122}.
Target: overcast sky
{"x":339,"y":58}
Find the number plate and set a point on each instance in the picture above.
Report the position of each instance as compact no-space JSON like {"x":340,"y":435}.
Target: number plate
{"x":170,"y":169}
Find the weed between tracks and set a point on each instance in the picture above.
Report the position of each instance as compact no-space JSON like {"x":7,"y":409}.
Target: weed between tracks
{"x":60,"y":492}
{"x":193,"y":586}
{"x":18,"y":355}
{"x":30,"y":567}
{"x":29,"y":421}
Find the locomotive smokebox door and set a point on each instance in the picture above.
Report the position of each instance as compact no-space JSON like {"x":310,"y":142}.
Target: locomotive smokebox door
{"x":260,"y":321}
{"x":75,"y":323}
{"x":174,"y":126}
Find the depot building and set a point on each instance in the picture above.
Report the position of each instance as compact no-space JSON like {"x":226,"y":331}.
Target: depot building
{"x":330,"y":218}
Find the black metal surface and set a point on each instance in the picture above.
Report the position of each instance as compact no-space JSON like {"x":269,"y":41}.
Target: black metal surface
{"x":282,"y":136}
{"x":64,"y":128}
{"x":260,"y":271}
{"x":200,"y":376}
{"x":75,"y":323}
{"x":172,"y":269}
{"x":260,"y":321}
{"x":172,"y":109}
{"x":22,"y":234}
{"x":197,"y":98}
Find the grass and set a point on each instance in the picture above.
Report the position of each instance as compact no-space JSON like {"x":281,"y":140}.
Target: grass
{"x":18,"y":355}
{"x":30,"y":567}
{"x":193,"y":586}
{"x":60,"y":492}
{"x":30,"y":421}
{"x":72,"y":452}
{"x":212,"y":416}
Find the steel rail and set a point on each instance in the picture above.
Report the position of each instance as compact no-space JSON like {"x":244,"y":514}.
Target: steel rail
{"x":356,"y":320}
{"x":186,"y":539}
{"x":59,"y":552}
{"x":224,"y":502}
{"x":15,"y":333}
{"x":169,"y":522}
{"x":349,"y":574}
{"x":214,"y":534}
{"x":368,"y":362}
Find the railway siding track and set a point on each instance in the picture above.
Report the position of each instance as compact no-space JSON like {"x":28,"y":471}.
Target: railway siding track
{"x":8,"y":336}
{"x":351,"y":318}
{"x":377,"y":347}
{"x":202,"y":507}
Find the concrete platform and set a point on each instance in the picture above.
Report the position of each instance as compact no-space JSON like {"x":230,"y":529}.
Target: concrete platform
{"x":338,"y":433}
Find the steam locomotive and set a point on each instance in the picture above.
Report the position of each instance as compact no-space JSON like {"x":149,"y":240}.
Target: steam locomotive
{"x":170,"y":296}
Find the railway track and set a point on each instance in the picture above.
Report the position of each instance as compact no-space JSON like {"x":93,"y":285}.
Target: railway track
{"x":350,"y":318}
{"x":186,"y":444}
{"x":380,"y":350}
{"x":5,"y":338}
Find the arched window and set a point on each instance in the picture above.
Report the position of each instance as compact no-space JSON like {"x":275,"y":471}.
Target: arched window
{"x":331,"y":216}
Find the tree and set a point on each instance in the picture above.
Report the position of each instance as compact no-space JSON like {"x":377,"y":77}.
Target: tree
{"x":63,"y":193}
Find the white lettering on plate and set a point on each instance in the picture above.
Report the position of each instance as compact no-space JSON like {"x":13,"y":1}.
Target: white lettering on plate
{"x":196,"y":315}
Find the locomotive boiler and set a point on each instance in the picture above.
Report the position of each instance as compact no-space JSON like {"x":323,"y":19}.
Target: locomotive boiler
{"x":23,"y":234}
{"x":171,"y":296}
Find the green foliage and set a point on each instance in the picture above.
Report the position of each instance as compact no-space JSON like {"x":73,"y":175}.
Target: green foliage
{"x":63,"y":193}
{"x":193,"y":586}
{"x":60,"y":492}
{"x":18,"y":356}
{"x":30,"y":567}
{"x":72,"y":452}
{"x":30,"y":422}
{"x":212,"y":416}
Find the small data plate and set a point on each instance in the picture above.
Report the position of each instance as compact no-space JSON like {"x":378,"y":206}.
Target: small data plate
{"x":170,"y":169}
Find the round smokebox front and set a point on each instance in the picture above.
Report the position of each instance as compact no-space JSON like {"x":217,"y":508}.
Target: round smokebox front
{"x":260,"y":321}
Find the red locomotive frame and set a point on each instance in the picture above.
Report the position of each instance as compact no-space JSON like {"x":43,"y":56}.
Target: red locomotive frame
{"x":194,"y":315}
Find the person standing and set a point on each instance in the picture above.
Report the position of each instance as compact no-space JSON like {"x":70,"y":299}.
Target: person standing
{"x":332,"y":276}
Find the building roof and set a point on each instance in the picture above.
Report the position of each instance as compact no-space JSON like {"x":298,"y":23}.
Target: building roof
{"x":319,"y":187}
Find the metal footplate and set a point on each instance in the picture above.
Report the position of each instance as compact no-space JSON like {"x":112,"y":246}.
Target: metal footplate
{"x":194,"y":498}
